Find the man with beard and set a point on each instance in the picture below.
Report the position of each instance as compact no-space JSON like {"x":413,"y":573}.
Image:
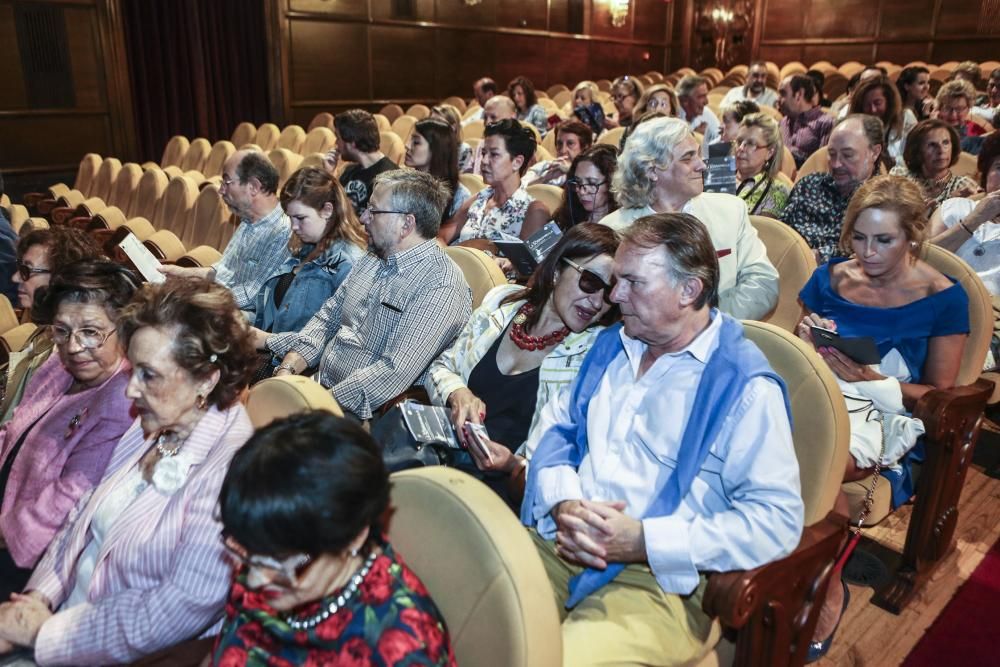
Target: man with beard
{"x":805,"y":127}
{"x":260,"y":244}
{"x":401,"y":306}
{"x":818,"y":201}
{"x":755,"y":90}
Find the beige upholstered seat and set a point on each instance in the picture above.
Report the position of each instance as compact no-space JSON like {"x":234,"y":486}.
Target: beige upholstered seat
{"x":18,"y":216}
{"x":216,"y":161}
{"x":550,"y":195}
{"x":391,"y":112}
{"x":14,"y":339}
{"x":480,"y":271}
{"x":286,"y":162}
{"x":85,"y":174}
{"x":244,"y":133}
{"x":473,"y":182}
{"x":392,"y":145}
{"x":279,"y":397}
{"x":418,"y":111}
{"x":473,"y":130}
{"x":201,"y":256}
{"x":175,"y":205}
{"x":267,"y":137}
{"x":795,"y":262}
{"x":206,"y":216}
{"x":966,"y":166}
{"x":165,"y":245}
{"x":534,"y":130}
{"x":173,"y":153}
{"x":99,"y":187}
{"x":817,"y":162}
{"x":292,"y":138}
{"x":456,"y":102}
{"x":8,"y":319}
{"x":480,"y":567}
{"x":612,"y":137}
{"x":319,"y":140}
{"x":403,"y":126}
{"x":322,"y":119}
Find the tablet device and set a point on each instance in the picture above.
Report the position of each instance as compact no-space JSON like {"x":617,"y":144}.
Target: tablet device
{"x":519,"y":255}
{"x":861,"y":349}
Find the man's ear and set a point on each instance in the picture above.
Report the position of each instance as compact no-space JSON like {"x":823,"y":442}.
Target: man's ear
{"x":254,"y":184}
{"x":691,"y":289}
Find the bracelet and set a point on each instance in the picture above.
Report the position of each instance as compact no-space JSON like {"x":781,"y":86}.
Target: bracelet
{"x":962,"y":223}
{"x":285,"y":367}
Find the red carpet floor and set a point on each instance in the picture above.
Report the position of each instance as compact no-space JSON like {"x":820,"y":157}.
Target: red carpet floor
{"x":966,"y":631}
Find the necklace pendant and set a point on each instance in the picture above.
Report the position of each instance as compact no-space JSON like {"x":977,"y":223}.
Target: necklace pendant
{"x":979,"y":251}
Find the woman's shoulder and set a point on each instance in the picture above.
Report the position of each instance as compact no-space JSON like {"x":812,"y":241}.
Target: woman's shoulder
{"x":938,"y":284}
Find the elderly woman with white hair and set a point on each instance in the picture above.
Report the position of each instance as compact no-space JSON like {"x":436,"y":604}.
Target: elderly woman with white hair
{"x":660,"y":171}
{"x":759,"y":149}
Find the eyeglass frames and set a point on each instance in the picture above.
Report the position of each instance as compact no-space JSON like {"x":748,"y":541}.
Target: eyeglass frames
{"x":283,"y":572}
{"x":26,"y":271}
{"x":585,"y":188}
{"x":88,"y":338}
{"x":590,"y":282}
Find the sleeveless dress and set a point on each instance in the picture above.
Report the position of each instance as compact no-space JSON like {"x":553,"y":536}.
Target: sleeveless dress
{"x":902,"y":335}
{"x":498,"y":221}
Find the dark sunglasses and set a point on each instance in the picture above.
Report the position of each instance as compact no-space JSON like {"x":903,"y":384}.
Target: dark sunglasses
{"x":590,"y":282}
{"x":26,"y":271}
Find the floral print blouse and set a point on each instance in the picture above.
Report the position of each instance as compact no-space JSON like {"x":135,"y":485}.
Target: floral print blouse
{"x":946,"y":188}
{"x":815,"y":209}
{"x":764,"y":195}
{"x":536,"y":116}
{"x":390,"y":621}
{"x":496,"y":222}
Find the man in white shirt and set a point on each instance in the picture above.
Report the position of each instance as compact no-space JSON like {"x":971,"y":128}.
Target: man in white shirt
{"x":692,"y":94}
{"x":989,"y":109}
{"x":670,"y":456}
{"x":483,"y":90}
{"x":755,"y":90}
{"x":748,"y":282}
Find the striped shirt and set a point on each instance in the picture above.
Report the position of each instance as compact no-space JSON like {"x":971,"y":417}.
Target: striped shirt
{"x":255,"y":252}
{"x":452,"y":369}
{"x":385,"y":324}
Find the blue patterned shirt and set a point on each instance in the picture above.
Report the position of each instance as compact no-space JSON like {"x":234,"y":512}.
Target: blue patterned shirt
{"x":255,"y":252}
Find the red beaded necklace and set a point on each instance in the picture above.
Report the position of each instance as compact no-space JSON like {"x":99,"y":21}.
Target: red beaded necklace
{"x":528,"y":342}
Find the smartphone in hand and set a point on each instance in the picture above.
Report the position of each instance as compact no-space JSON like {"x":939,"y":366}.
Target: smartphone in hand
{"x":478,"y":435}
{"x":863,"y":349}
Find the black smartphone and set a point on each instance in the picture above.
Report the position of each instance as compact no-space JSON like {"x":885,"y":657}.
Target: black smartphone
{"x":861,"y":349}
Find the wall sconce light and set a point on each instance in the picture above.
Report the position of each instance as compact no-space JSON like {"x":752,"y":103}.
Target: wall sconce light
{"x":619,"y":12}
{"x":722,"y":15}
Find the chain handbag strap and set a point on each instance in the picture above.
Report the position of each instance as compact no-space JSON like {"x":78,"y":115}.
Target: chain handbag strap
{"x":870,"y":494}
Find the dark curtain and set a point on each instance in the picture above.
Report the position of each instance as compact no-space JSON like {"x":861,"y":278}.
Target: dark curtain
{"x":198,"y":68}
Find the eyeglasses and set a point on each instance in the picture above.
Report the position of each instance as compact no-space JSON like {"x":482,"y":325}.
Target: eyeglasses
{"x":284,"y":572}
{"x":26,"y":271}
{"x":590,"y":282}
{"x":585,"y":188}
{"x":746,"y":144}
{"x":88,"y":338}
{"x":226,"y":181}
{"x":375,"y":211}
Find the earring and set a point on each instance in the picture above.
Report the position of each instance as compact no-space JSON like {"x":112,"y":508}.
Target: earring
{"x":201,"y":402}
{"x":354,"y":553}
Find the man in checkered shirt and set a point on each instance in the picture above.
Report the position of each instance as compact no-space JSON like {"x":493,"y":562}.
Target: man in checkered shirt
{"x":399,"y":308}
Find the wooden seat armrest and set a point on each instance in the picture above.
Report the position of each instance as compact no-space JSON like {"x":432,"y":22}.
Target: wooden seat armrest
{"x":774,"y":607}
{"x":81,"y":222}
{"x":31,"y":199}
{"x":60,"y":214}
{"x":938,"y":408}
{"x":45,"y":206}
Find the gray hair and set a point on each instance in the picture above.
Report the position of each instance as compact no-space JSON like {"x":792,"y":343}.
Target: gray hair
{"x":651,"y":144}
{"x":688,"y":84}
{"x":772,"y":135}
{"x":956,"y":88}
{"x":418,"y":193}
{"x":871,"y":127}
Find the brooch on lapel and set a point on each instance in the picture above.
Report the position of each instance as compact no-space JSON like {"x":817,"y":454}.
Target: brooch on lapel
{"x":74,"y":423}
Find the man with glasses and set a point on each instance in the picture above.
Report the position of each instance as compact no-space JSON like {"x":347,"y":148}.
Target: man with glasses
{"x":259,"y":247}
{"x":400,"y":307}
{"x":755,"y":90}
{"x":670,"y":456}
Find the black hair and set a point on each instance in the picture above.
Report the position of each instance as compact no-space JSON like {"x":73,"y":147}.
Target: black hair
{"x":357,"y":126}
{"x":571,"y":212}
{"x":257,"y":165}
{"x":309,"y":483}
{"x":518,"y":139}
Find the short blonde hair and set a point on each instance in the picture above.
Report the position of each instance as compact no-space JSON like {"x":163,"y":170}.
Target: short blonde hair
{"x":772,"y":135}
{"x":651,"y":144}
{"x":954,"y":89}
{"x":903,"y":196}
{"x":587,"y":85}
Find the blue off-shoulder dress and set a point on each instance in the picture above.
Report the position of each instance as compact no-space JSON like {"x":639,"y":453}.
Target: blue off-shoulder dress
{"x":903,"y":337}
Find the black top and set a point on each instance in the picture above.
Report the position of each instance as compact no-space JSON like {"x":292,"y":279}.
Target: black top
{"x":357,"y":181}
{"x":281,"y":287}
{"x":510,"y":399}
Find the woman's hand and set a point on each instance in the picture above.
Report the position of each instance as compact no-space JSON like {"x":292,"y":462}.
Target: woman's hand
{"x":986,"y":210}
{"x":500,"y":459}
{"x":610,"y":123}
{"x":22,"y":618}
{"x":846,"y":368}
{"x":331,"y":159}
{"x":465,"y":407}
{"x":259,"y":338}
{"x":813,"y":320}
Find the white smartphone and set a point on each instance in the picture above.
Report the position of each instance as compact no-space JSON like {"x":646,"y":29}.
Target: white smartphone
{"x":479,"y":436}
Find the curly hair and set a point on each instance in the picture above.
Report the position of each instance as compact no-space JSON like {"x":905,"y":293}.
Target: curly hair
{"x":65,"y":245}
{"x":901,"y":195}
{"x":91,"y":281}
{"x":652,"y":143}
{"x":208,"y":331}
{"x":316,"y":188}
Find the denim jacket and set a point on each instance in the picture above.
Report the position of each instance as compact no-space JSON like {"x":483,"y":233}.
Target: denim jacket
{"x":312,"y":286}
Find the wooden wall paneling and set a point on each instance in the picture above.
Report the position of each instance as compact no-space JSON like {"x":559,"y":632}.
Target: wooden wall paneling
{"x":461,"y":58}
{"x":568,"y":60}
{"x":416,"y":10}
{"x":559,"y":11}
{"x":14,"y":94}
{"x":402,"y":61}
{"x":644,"y":58}
{"x":455,"y":12}
{"x":609,"y":60}
{"x":906,"y":19}
{"x":972,"y":48}
{"x":328,"y":60}
{"x":351,"y":9}
{"x":600,"y":23}
{"x":51,"y":140}
{"x":527,"y":14}
{"x":837,"y":53}
{"x":901,"y":52}
{"x":960,"y":18}
{"x":840,"y":18}
{"x":651,"y":19}
{"x":783,"y":19}
{"x":521,"y":55}
{"x":85,"y":58}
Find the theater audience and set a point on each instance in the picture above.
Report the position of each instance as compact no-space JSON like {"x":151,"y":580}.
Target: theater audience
{"x":914,"y":84}
{"x":817,"y":203}
{"x":521,"y":346}
{"x":659,"y":97}
{"x":878,"y":97}
{"x":327,"y":241}
{"x":259,"y":245}
{"x":572,"y":138}
{"x":587,"y":193}
{"x":990,"y":107}
{"x":805,"y":127}
{"x":450,"y":115}
{"x":692,"y":98}
{"x":482,"y":90}
{"x":819,"y":81}
{"x":660,"y":171}
{"x":586,"y":107}
{"x":758,"y":152}
{"x":954,"y":101}
{"x":918,"y":317}
{"x":431,"y":148}
{"x":504,"y":207}
{"x":401,"y":306}
{"x":630,"y":485}
{"x":522,"y":91}
{"x":140,"y":566}
{"x":39,"y":253}
{"x":932,"y":149}
{"x":57,"y":443}
{"x":625,"y":93}
{"x":358,"y":141}
{"x":316,"y":582}
{"x":755,"y":90}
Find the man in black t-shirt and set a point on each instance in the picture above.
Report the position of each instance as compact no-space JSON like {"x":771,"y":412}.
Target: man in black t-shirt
{"x":358,"y":141}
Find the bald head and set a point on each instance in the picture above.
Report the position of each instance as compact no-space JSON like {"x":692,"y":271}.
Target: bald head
{"x":484,"y":89}
{"x":249,"y":184}
{"x":499,"y":107}
{"x":854,"y":149}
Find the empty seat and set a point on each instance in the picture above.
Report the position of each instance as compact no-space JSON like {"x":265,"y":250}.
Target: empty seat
{"x":286,"y":162}
{"x":267,"y":136}
{"x":244,"y":133}
{"x":199,"y":257}
{"x":165,"y":245}
{"x":175,"y":205}
{"x":85,"y":174}
{"x":391,"y":111}
{"x":392,"y":146}
{"x":122,"y":191}
{"x":207,"y":217}
{"x":216,"y":160}
{"x":318,"y":140}
{"x":384,"y":124}
{"x":173,"y":153}
{"x":291,"y":138}
{"x":403,"y":126}
{"x":418,"y":111}
{"x":322,"y":119}
{"x":196,"y":155}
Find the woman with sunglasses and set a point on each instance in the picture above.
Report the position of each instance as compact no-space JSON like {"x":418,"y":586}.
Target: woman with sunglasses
{"x":587,"y":193}
{"x":521,"y":346}
{"x":316,"y":582}
{"x":58,"y":441}
{"x":139,"y":567}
